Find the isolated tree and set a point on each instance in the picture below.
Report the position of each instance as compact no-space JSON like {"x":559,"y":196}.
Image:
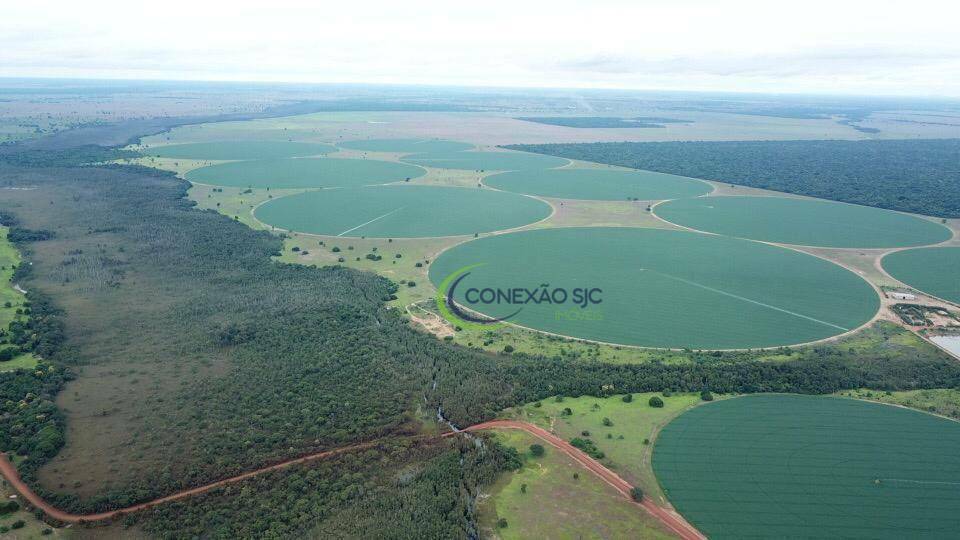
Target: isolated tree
{"x":636,"y":494}
{"x":628,"y":398}
{"x":655,"y":401}
{"x":536,"y":449}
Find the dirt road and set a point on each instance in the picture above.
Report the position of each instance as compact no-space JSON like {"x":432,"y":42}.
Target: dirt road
{"x":669,"y":518}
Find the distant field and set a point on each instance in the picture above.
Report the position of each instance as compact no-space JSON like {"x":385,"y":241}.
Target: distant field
{"x":406,"y":146}
{"x":485,"y":161}
{"x":228,"y":150}
{"x":802,"y":222}
{"x":598,"y":184}
{"x":776,"y":466}
{"x":934,"y":271}
{"x":555,"y":504}
{"x":304,"y":173}
{"x":605,"y":121}
{"x":665,"y":288}
{"x":402,"y":211}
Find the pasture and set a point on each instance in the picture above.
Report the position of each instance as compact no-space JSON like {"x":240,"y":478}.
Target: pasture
{"x":406,"y":146}
{"x":622,"y":441}
{"x":935,"y":271}
{"x":803,"y":222}
{"x":662,"y":288}
{"x":777,"y":466}
{"x":402,"y":211}
{"x":233,"y":150}
{"x":598,"y":184}
{"x":545,"y":500}
{"x":304,"y":173}
{"x":486,"y":161}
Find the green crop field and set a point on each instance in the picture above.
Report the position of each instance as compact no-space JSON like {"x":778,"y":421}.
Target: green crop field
{"x":934,"y":271}
{"x":664,"y":288}
{"x":486,"y":161}
{"x":402,"y":211}
{"x":598,"y":184}
{"x":779,"y":466}
{"x":406,"y":146}
{"x":304,"y":173}
{"x":803,"y":222}
{"x":228,"y":150}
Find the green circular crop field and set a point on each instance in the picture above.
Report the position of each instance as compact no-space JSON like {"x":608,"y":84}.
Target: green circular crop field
{"x":402,"y":211}
{"x":663,"y":288}
{"x":934,"y":270}
{"x":304,"y":173}
{"x":802,"y":222}
{"x":406,"y":146}
{"x":228,"y":150}
{"x":598,"y":184}
{"x":789,"y":466}
{"x":486,"y":161}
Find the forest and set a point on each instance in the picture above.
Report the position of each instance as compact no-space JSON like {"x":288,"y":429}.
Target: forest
{"x":236,"y":361}
{"x":919,"y":176}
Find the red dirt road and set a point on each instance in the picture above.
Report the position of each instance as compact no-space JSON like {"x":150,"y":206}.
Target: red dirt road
{"x":10,"y":473}
{"x":669,"y":518}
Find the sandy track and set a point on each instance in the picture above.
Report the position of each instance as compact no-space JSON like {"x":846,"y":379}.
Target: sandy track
{"x":669,"y":518}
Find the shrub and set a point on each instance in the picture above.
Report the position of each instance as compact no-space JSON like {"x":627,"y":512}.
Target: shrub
{"x":656,"y":402}
{"x":502,"y":523}
{"x":636,"y":494}
{"x":536,"y":449}
{"x":706,"y":395}
{"x":628,"y":398}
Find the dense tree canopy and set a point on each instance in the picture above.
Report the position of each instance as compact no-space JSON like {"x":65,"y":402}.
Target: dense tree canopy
{"x":919,"y":176}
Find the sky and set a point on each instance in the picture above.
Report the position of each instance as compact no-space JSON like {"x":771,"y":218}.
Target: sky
{"x":877,"y":47}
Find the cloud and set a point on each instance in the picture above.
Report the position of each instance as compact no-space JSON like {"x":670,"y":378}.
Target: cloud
{"x":846,"y":62}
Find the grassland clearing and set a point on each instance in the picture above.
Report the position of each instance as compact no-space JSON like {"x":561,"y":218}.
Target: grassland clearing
{"x":12,"y":303}
{"x":402,"y":211}
{"x":669,"y":289}
{"x":935,"y":271}
{"x":804,"y":222}
{"x":627,"y":443}
{"x":790,"y":465}
{"x":545,"y":500}
{"x":940,"y":401}
{"x":598,"y":184}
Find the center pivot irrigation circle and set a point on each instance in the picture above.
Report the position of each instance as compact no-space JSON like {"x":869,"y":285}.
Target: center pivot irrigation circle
{"x":660,"y":288}
{"x":402,"y":211}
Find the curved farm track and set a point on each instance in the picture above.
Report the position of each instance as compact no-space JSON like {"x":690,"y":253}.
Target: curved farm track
{"x":670,"y":519}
